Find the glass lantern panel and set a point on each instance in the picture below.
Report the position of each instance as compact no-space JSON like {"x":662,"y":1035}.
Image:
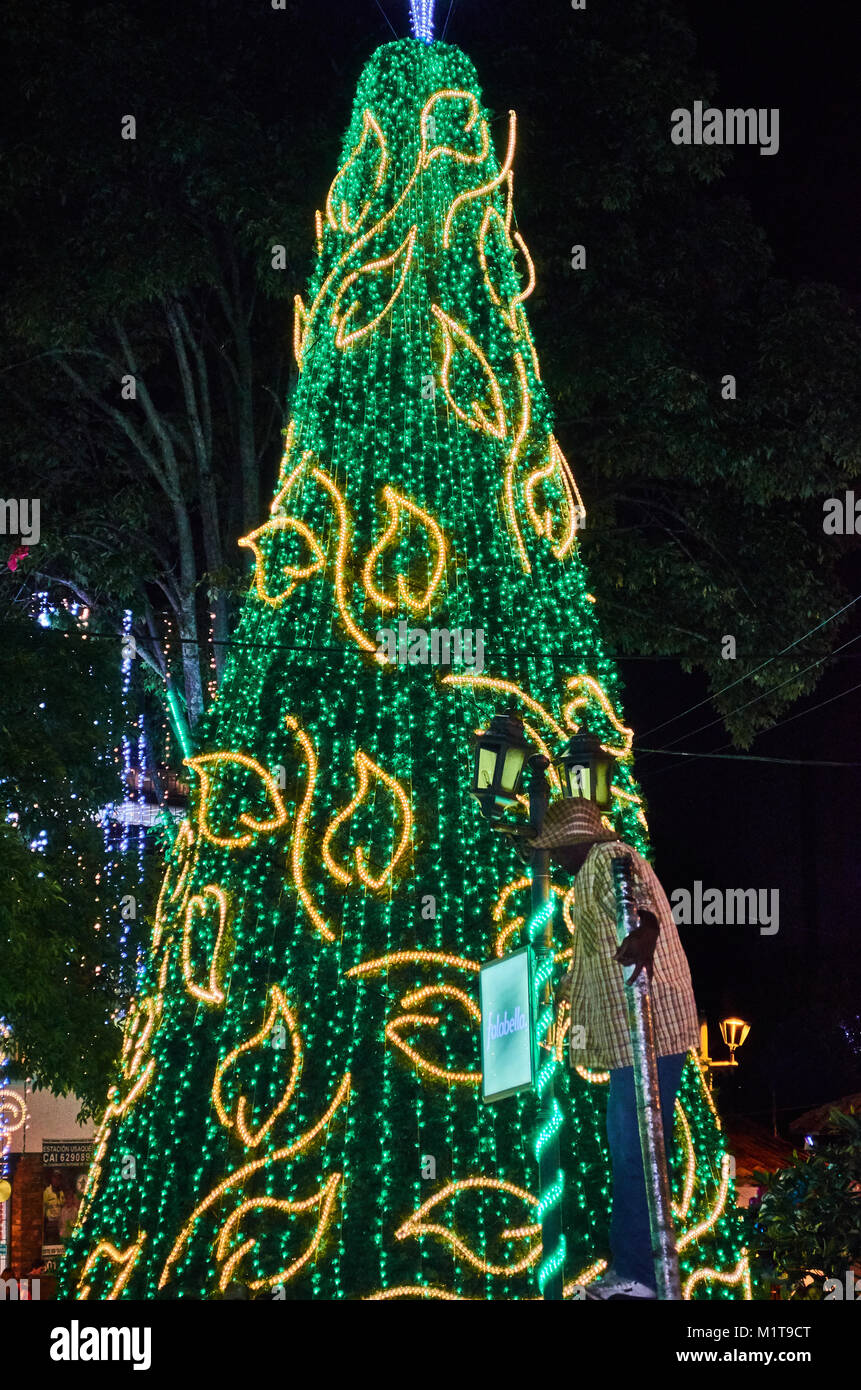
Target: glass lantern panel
{"x":511,"y":769}
{"x":580,"y":780}
{"x":487,"y":759}
{"x":602,"y":783}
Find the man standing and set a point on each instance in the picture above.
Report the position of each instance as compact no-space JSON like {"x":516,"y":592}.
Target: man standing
{"x":579,"y":843}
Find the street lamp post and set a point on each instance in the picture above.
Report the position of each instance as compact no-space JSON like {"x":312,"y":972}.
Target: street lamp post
{"x":501,"y":753}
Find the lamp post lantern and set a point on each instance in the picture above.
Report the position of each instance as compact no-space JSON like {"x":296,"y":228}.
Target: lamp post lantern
{"x":586,"y":769}
{"x":500,"y":756}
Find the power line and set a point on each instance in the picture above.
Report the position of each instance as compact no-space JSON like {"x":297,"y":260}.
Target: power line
{"x":753,"y":757}
{"x":765,"y":693}
{"x":748,"y":674}
{"x":386,"y":18}
{"x":789,"y":720}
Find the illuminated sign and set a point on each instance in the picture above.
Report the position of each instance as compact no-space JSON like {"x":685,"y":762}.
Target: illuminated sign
{"x":507,"y":1053}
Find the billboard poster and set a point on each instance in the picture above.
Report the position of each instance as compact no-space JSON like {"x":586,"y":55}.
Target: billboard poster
{"x":64,"y":1164}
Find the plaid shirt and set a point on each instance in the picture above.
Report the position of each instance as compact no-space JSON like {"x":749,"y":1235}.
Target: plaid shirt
{"x":599,"y":1018}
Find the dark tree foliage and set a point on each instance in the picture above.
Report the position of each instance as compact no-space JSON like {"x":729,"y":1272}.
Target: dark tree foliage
{"x":62,"y":975}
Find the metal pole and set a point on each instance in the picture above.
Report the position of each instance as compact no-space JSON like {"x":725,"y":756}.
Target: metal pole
{"x":549,"y":1169}
{"x":641,"y":1026}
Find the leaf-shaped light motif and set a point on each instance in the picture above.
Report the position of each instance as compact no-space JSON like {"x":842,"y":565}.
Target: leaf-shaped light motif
{"x":211,"y":903}
{"x":493,"y":223}
{"x":123,"y":1261}
{"x":434,"y":114}
{"x":175,"y":882}
{"x":470,"y":680}
{"x":142,"y":1022}
{"x":586,"y":693}
{"x":404,"y":1030}
{"x":517,"y":443}
{"x":321,"y":1202}
{"x":529,"y":1231}
{"x":372,"y":779}
{"x":401,"y":509}
{"x":300,"y":828}
{"x":706,"y":1275}
{"x":489,"y":419}
{"x":371,"y":149}
{"x":553,"y":503}
{"x":345,"y":530}
{"x":301,"y":328}
{"x":238,"y":1115}
{"x":281,"y":523}
{"x":347,"y":334}
{"x":214,"y":768}
{"x":479,"y":192}
{"x":239,"y":1176}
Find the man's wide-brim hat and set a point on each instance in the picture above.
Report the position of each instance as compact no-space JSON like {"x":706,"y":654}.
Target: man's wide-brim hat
{"x":573,"y":821}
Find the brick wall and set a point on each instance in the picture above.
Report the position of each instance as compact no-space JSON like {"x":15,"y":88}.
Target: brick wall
{"x":29,"y":1178}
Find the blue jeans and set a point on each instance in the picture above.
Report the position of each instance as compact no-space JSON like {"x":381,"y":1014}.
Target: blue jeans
{"x":630,"y":1237}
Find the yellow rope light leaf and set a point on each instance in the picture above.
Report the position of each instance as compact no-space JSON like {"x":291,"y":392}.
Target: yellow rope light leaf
{"x":622,"y":795}
{"x":340,"y":321}
{"x":136,"y":1044}
{"x":595,"y":1078}
{"x":238,"y":1177}
{"x":586,"y":1276}
{"x":530,"y":281}
{"x":182,"y":858}
{"x":201,"y":764}
{"x":279,"y":521}
{"x":420,"y":996}
{"x":740,"y":1275}
{"x":488,"y":187}
{"x":369,"y":774}
{"x":342,"y":221}
{"x":397,"y":958}
{"x":415,"y":1225}
{"x":477,"y":682}
{"x":417,"y":1291}
{"x":211,"y":992}
{"x":491,"y":215}
{"x":344,"y":535}
{"x":436,"y":151}
{"x":714,"y":1215}
{"x":454,"y":334}
{"x":324,"y":1200}
{"x":523,"y":331}
{"x":397,"y":503}
{"x":574,"y":511}
{"x":301,"y":329}
{"x":297,"y":847}
{"x":453,"y":1078}
{"x":508,"y":309}
{"x":511,"y":462}
{"x":681,"y":1209}
{"x":101,"y":1139}
{"x":586,"y":688}
{"x":238,"y":1117}
{"x":309,"y":315}
{"x":125,"y":1259}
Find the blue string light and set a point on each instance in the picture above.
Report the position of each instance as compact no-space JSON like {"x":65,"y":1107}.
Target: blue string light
{"x":421,"y":16}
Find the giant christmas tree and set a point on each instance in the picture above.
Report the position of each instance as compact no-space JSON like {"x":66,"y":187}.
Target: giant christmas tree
{"x":298,"y":1106}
